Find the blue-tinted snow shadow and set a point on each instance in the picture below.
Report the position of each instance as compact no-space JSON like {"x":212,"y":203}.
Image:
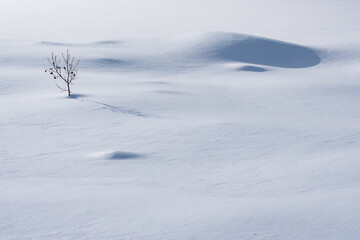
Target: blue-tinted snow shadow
{"x":108,"y":42}
{"x":116,"y":109}
{"x":99,"y":43}
{"x":105,"y":106}
{"x":262,"y":51}
{"x":56,"y":44}
{"x":124,"y":156}
{"x":106,"y":63}
{"x":77,"y":96}
{"x":249,"y":68}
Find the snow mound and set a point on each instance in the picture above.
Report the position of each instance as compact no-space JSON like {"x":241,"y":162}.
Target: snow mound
{"x":258,"y":50}
{"x":116,"y":155}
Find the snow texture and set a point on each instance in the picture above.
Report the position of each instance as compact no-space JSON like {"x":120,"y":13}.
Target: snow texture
{"x":188,"y":120}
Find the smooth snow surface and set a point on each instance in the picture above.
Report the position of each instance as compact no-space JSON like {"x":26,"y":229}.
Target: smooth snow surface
{"x":189,"y":120}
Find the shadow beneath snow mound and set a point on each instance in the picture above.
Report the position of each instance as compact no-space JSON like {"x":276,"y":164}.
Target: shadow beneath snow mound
{"x":260,"y":51}
{"x":101,"y":43}
{"x":109,"y":61}
{"x":249,"y":68}
{"x":46,"y":43}
{"x":106,"y":63}
{"x":108,"y":42}
{"x":124,"y":156}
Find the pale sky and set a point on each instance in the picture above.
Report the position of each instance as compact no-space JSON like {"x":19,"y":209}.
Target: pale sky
{"x":89,"y":20}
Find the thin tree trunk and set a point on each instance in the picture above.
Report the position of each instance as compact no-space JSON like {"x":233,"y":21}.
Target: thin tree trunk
{"x":68,"y":86}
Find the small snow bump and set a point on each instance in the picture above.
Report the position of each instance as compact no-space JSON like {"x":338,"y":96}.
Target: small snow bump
{"x":116,"y":155}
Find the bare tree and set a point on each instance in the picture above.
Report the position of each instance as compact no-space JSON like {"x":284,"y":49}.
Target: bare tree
{"x":66,"y":71}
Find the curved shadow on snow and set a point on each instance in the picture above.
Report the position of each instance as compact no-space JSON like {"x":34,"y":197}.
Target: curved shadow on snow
{"x":109,"y":62}
{"x":108,"y":42}
{"x":124,"y":156}
{"x":56,"y":44}
{"x":262,"y":51}
{"x":99,"y":43}
{"x":249,"y":68}
{"x":106,"y":63}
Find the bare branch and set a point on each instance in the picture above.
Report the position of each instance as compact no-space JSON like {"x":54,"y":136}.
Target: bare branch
{"x":62,"y":89}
